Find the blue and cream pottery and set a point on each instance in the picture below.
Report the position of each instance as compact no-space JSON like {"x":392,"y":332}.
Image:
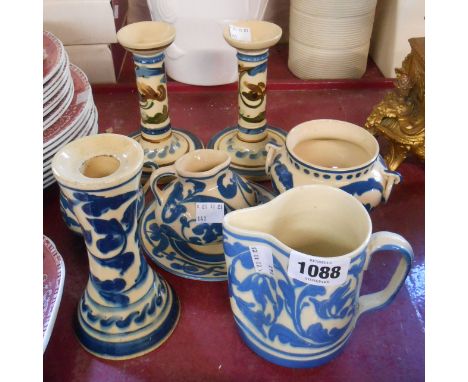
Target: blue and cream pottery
{"x":334,"y":153}
{"x":126,"y":309}
{"x":173,"y":254}
{"x":202,"y":176}
{"x":245,"y":143}
{"x":70,"y":219}
{"x":162,"y":144}
{"x":284,"y":319}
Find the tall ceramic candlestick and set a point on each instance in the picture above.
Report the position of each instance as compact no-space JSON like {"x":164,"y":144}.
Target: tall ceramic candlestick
{"x":162,"y":144}
{"x":245,"y":143}
{"x":126,"y":309}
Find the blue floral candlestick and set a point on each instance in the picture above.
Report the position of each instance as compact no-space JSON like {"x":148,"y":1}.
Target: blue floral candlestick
{"x":245,"y":143}
{"x":126,"y":309}
{"x":162,"y":144}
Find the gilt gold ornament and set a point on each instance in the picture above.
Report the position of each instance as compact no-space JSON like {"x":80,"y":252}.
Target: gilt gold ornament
{"x":400,"y":116}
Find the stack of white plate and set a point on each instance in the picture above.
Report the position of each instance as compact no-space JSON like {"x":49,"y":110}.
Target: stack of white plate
{"x":78,"y":120}
{"x":57,"y":81}
{"x":330,"y":38}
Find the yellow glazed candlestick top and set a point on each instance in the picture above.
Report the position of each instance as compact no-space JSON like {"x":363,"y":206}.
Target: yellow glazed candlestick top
{"x":146,"y":36}
{"x":263,"y":35}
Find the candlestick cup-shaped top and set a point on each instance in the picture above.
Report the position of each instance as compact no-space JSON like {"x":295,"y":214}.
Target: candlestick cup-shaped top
{"x":252,"y":35}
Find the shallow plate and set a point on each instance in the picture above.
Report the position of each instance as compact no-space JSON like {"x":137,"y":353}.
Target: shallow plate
{"x":175,"y":256}
{"x":48,"y":177}
{"x":57,"y":81}
{"x":85,"y":131}
{"x":54,"y":54}
{"x":57,"y":106}
{"x":50,"y":150}
{"x":74,"y":113}
{"x":53,"y":270}
{"x":59,"y":95}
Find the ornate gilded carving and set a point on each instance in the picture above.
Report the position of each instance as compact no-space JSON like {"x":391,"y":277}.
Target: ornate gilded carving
{"x":400,"y":116}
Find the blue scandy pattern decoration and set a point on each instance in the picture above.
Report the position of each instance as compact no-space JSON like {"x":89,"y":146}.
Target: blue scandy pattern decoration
{"x":371,"y":184}
{"x":280,"y":315}
{"x":170,"y":252}
{"x":70,"y":219}
{"x":126,"y":309}
{"x":177,"y":204}
{"x":285,"y":320}
{"x":295,"y":324}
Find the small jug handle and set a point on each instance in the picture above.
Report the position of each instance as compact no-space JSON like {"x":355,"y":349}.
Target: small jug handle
{"x":272,"y":153}
{"x":158,"y":174}
{"x":385,"y":241}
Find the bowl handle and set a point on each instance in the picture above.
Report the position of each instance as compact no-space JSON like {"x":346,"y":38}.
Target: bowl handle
{"x":387,"y":241}
{"x":158,"y":174}
{"x":272,"y":153}
{"x":390,"y":178}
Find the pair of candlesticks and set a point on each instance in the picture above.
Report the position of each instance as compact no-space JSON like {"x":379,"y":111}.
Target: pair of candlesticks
{"x":245,"y":142}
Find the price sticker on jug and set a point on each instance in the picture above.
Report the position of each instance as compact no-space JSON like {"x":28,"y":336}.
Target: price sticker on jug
{"x":262,"y":259}
{"x":318,"y":270}
{"x":209,"y":212}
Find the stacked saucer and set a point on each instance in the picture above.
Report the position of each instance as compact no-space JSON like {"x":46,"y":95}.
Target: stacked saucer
{"x":78,"y":120}
{"x":330,"y":38}
{"x":57,"y":81}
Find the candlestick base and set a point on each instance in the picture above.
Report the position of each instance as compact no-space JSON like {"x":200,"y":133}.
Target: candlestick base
{"x":166,"y":152}
{"x":247,"y":158}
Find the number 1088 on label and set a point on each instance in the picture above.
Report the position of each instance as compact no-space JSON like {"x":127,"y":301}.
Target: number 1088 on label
{"x":318,"y":270}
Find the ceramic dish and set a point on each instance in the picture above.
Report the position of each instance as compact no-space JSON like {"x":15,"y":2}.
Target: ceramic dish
{"x":59,"y":96}
{"x":56,"y":81}
{"x":72,"y":130}
{"x":58,"y":105}
{"x":90,"y":122}
{"x":75,"y":111}
{"x":91,"y":129}
{"x":175,"y":256}
{"x":54,"y":53}
{"x":53,"y":270}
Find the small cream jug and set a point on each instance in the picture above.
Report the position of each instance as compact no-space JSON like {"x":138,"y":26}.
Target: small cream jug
{"x":295,"y":269}
{"x":202,"y":176}
{"x":335,"y":153}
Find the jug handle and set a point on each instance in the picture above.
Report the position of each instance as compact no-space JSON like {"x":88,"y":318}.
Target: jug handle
{"x":155,"y":176}
{"x":387,"y":241}
{"x":272,"y":153}
{"x":390,"y":177}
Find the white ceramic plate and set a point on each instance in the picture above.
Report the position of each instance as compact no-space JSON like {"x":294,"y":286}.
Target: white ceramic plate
{"x":75,"y":112}
{"x":53,"y":270}
{"x":48,"y":177}
{"x":57,"y":105}
{"x":77,"y":133}
{"x":57,"y":81}
{"x":54,"y":54}
{"x":80,"y":124}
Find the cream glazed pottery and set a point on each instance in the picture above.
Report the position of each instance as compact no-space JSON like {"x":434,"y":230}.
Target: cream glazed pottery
{"x":162,"y":144}
{"x":295,"y":269}
{"x":199,"y":54}
{"x":245,"y":143}
{"x":202,"y":177}
{"x":334,"y":153}
{"x":126,"y":309}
